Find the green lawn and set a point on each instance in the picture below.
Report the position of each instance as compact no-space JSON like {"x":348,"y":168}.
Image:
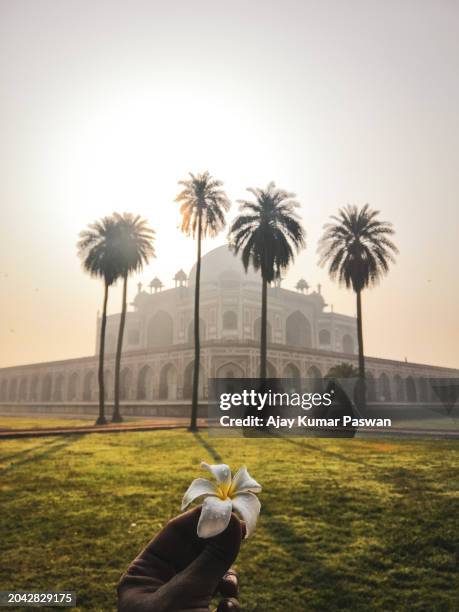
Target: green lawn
{"x":346,"y":524}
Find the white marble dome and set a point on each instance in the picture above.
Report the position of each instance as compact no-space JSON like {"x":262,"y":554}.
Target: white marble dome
{"x":221,"y":264}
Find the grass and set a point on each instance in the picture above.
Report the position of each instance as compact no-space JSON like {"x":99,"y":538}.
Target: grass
{"x":346,"y":524}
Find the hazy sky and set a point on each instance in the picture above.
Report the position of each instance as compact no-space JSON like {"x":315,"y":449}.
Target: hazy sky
{"x":105,"y":104}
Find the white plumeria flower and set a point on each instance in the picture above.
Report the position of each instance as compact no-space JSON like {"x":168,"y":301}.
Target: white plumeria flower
{"x":223,"y":497}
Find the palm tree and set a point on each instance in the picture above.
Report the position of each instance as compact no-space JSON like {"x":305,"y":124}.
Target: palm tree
{"x":267,"y":232}
{"x":358,"y":251}
{"x":342,"y":370}
{"x":135,"y":248}
{"x":203,"y":205}
{"x":97,"y":248}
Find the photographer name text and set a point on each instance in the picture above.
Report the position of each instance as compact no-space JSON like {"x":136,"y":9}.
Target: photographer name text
{"x":278,"y":422}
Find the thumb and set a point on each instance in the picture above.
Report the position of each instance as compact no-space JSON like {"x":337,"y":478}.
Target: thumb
{"x":219,"y":553}
{"x":198,"y":582}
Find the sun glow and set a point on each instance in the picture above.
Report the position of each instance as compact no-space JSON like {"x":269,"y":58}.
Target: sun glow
{"x":128,"y":154}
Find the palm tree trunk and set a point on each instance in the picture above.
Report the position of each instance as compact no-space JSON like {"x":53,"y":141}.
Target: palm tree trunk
{"x":101,"y":419}
{"x":116,"y":417}
{"x":362,"y":386}
{"x":197,"y":343}
{"x":264,"y":325}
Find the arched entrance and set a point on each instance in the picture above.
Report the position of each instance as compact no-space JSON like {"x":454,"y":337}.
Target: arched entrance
{"x":58,"y":394}
{"x":293,"y":379}
{"x":34,"y":389}
{"x":125,"y":384}
{"x":23,"y":389}
{"x":230,"y":370}
{"x":144,"y":383}
{"x":399,"y":390}
{"x":168,"y":382}
{"x":4,"y":390}
{"x":160,"y":330}
{"x":46,"y":388}
{"x":423,"y":390}
{"x":188,"y":381}
{"x":384,"y":388}
{"x":370,"y":387}
{"x":202,"y":330}
{"x":229,"y":320}
{"x":257,"y":331}
{"x":88,"y":383}
{"x":410,"y":389}
{"x":108,"y":385}
{"x":348,"y":344}
{"x":314,"y":380}
{"x":12,"y":390}
{"x":298,"y":330}
{"x":74,"y":383}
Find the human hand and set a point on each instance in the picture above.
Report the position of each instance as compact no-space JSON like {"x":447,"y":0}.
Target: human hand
{"x":180,"y":572}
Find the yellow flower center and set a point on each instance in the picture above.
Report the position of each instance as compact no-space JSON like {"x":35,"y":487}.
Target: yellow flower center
{"x":224,"y":491}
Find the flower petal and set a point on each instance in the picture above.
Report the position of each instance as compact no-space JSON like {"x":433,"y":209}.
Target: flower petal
{"x":248,"y":507}
{"x":243,"y":481}
{"x":215,"y":516}
{"x":198,"y":488}
{"x":221,"y":472}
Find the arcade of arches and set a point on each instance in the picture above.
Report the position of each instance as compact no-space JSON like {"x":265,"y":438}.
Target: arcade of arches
{"x":171,"y":379}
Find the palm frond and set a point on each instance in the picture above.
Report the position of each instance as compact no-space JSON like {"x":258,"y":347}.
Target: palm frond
{"x":356,"y":248}
{"x":202,"y":196}
{"x":267,"y":231}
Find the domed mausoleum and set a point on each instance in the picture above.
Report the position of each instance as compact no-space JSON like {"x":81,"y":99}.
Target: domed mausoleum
{"x":304,"y":341}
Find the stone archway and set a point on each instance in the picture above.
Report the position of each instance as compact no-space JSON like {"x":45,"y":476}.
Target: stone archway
{"x":12,"y":389}
{"x":202,"y":330}
{"x":34,"y":385}
{"x":410,"y":389}
{"x":399,"y":389}
{"x":324,"y":337}
{"x":58,"y":393}
{"x":168,"y":382}
{"x":298,"y":330}
{"x":144,"y":386}
{"x":257,"y":331}
{"x":370,"y":387}
{"x":348,"y":344}
{"x":4,"y":390}
{"x":384,"y":388}
{"x":188,"y":381}
{"x":315,"y":379}
{"x":125,"y":384}
{"x":230,"y":370}
{"x":88,"y":384}
{"x":108,"y":384}
{"x":73,"y":387}
{"x":229,"y":320}
{"x":160,"y":330}
{"x":423,"y":390}
{"x":46,"y":388}
{"x":292,"y":375}
{"x":22,"y":389}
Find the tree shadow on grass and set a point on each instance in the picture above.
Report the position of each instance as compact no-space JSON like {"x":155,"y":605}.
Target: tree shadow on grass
{"x":208,"y":447}
{"x":312,"y":572}
{"x":51,"y":449}
{"x":335,"y":454}
{"x":29,"y":450}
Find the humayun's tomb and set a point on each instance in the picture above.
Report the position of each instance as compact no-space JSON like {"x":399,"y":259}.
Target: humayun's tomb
{"x":304,"y":341}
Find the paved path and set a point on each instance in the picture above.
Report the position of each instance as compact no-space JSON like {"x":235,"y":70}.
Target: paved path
{"x":158,"y":424}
